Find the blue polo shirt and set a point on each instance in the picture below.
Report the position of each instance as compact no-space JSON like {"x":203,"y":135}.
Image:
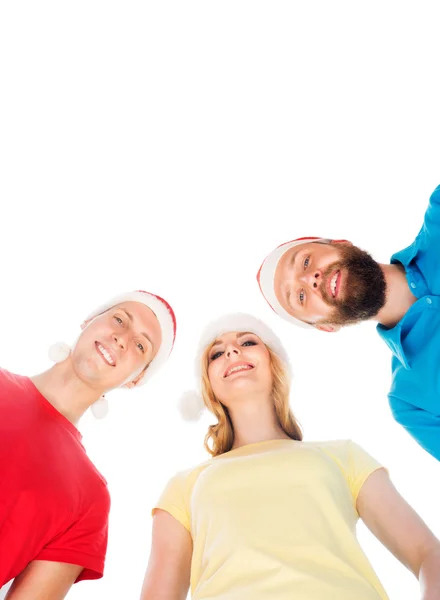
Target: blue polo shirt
{"x":415,"y":341}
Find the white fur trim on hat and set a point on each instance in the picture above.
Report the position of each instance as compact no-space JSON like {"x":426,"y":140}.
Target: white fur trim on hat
{"x":191,"y":404}
{"x":266,"y":278}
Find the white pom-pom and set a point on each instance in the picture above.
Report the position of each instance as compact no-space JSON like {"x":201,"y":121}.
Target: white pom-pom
{"x":191,"y":406}
{"x":59,"y":352}
{"x":100,"y":408}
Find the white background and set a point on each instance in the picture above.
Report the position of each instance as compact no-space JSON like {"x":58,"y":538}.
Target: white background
{"x":170,"y":146}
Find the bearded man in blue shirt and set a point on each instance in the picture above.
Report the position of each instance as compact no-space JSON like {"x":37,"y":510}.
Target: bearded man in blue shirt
{"x":326,"y":284}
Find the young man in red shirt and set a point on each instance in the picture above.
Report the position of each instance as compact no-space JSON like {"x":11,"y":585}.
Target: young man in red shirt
{"x":54,"y":503}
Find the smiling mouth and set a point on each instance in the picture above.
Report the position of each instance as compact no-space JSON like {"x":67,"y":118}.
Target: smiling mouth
{"x":334,"y":284}
{"x":238,"y":369}
{"x":105,"y":355}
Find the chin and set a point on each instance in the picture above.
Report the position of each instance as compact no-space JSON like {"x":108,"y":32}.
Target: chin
{"x":246,"y":387}
{"x":89,"y":373}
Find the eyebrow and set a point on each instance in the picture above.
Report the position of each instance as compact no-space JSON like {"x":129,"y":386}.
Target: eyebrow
{"x":288,"y":298}
{"x":130,"y":316}
{"x":239,"y":335}
{"x":293,"y":258}
{"x":292,"y":264}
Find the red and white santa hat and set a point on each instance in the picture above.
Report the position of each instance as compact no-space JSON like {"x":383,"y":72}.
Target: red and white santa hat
{"x":191,"y":404}
{"x":167,"y":321}
{"x":266,"y":277}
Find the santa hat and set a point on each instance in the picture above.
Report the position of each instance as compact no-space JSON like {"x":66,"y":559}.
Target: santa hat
{"x":191,"y":404}
{"x":266,"y":277}
{"x":167,"y":321}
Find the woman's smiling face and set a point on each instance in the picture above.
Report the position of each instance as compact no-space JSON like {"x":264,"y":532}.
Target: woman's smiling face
{"x":239,"y":364}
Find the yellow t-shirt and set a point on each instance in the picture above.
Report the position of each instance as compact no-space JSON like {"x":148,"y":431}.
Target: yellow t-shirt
{"x":276,"y":519}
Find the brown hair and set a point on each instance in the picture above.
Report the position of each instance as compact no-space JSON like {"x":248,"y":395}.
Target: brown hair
{"x":220,"y":437}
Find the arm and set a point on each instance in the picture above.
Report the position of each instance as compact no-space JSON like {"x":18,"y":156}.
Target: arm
{"x":168,"y":571}
{"x":44,"y":580}
{"x":422,"y":425}
{"x":401,"y":530}
{"x":432,"y":216}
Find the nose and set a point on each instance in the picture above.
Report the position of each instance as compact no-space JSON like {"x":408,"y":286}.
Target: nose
{"x":231,"y":350}
{"x":313,"y":279}
{"x":120,"y":340}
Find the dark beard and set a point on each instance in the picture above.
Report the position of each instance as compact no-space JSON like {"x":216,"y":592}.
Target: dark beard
{"x":364,"y":288}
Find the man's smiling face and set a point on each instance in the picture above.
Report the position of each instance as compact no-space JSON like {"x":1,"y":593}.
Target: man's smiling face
{"x":116,"y":345}
{"x":329,"y":284}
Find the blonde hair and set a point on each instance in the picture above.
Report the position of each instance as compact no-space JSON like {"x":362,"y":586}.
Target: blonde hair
{"x":220,"y":436}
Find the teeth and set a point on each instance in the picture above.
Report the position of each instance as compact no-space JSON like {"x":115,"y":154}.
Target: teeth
{"x":106,"y":355}
{"x":239,"y":368}
{"x":333,"y":283}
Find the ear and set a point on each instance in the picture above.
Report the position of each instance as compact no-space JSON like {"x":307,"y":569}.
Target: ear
{"x":133,"y":383}
{"x":328,"y":328}
{"x":130,"y":385}
{"x":85,"y":323}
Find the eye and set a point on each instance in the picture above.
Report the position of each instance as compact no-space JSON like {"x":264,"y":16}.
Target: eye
{"x":140,"y":346}
{"x":216,"y":355}
{"x":306,"y":262}
{"x":301,"y":297}
{"x":119,"y":320}
{"x":249,"y":343}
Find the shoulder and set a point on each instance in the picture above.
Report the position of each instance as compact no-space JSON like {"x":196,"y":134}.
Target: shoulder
{"x":331,"y":447}
{"x":332,"y":452}
{"x":15,"y":390}
{"x":179,"y":487}
{"x":98,"y":500}
{"x":186,"y":478}
{"x":428,"y":234}
{"x":431,"y":224}
{"x":435,"y":196}
{"x":177,"y":493}
{"x":346,"y":453}
{"x":96,"y":493}
{"x":6,"y":377}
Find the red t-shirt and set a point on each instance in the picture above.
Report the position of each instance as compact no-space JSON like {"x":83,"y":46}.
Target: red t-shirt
{"x":54,"y":504}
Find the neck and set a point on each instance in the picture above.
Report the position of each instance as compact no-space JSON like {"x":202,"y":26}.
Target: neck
{"x":254,"y":420}
{"x":399,"y":297}
{"x":66,"y":391}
